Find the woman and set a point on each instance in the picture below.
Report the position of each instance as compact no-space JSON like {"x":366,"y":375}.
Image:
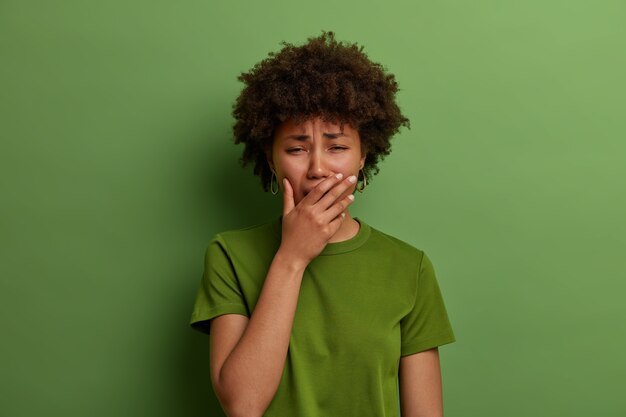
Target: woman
{"x":316,"y":313}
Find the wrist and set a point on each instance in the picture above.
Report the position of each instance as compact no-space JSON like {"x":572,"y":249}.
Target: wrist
{"x":289,"y":261}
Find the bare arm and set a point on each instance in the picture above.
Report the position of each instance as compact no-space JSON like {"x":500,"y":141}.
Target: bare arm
{"x":250,"y":375}
{"x":250,"y":357}
{"x":420,"y":385}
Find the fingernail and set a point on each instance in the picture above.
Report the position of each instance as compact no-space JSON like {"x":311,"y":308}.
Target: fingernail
{"x":352,"y":179}
{"x":339,"y":176}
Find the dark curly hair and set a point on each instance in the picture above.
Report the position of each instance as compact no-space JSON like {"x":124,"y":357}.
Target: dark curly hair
{"x":324,"y":78}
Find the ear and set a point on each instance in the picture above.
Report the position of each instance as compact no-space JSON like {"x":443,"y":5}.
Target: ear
{"x":268,"y":156}
{"x":364,"y":153}
{"x":269,"y":159}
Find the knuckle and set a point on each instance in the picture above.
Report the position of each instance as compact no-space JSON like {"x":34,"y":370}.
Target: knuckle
{"x":327,"y":186}
{"x":336,"y":192}
{"x":332,"y":180}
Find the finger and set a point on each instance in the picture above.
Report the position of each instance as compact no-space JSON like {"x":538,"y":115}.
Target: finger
{"x":321,"y":188}
{"x":288,"y":203}
{"x":336,"y":223}
{"x":339,"y":191}
{"x":338,"y":208}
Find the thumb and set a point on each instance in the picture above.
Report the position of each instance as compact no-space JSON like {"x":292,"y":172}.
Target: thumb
{"x":288,"y":203}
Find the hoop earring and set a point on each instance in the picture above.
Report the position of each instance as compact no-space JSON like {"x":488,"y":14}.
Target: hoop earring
{"x":364,"y":182}
{"x":272,"y":184}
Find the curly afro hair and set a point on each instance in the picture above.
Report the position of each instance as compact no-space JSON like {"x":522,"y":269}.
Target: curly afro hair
{"x":324,"y":78}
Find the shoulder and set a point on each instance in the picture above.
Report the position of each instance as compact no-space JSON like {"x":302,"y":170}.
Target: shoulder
{"x":249,"y":238}
{"x":247,"y":232}
{"x":389,"y":243}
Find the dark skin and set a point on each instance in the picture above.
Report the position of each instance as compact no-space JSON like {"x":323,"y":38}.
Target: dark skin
{"x":308,"y":162}
{"x":323,"y":77}
{"x":244,"y":384}
{"x":307,"y":156}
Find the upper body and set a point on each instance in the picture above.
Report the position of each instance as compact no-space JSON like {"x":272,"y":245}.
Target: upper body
{"x":317,"y":313}
{"x":365,"y":303}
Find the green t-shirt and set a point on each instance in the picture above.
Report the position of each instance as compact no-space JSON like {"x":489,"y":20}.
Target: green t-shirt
{"x":363,"y":303}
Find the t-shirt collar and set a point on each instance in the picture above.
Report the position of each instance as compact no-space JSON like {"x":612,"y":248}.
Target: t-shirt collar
{"x":334,"y":248}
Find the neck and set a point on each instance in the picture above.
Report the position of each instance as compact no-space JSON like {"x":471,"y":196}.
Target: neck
{"x":349,"y":228}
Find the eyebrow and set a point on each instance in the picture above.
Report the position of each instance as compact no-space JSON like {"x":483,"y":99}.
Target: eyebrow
{"x":326,"y":135}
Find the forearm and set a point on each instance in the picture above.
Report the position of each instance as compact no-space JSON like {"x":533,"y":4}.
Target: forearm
{"x":250,"y":376}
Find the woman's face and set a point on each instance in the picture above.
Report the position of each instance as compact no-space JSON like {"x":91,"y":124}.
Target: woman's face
{"x":313,"y":150}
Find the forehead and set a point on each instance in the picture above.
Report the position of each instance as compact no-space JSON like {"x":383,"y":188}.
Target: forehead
{"x":290,"y":126}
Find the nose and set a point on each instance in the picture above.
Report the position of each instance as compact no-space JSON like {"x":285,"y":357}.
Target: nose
{"x":317,"y":166}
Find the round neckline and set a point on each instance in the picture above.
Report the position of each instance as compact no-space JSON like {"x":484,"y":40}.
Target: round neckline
{"x":334,"y":248}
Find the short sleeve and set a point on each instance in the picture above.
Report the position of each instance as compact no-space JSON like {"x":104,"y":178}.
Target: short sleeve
{"x":427,"y":324}
{"x":219,"y":291}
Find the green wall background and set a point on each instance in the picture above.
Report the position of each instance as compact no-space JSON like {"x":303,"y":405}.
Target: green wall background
{"x":117,"y":167}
